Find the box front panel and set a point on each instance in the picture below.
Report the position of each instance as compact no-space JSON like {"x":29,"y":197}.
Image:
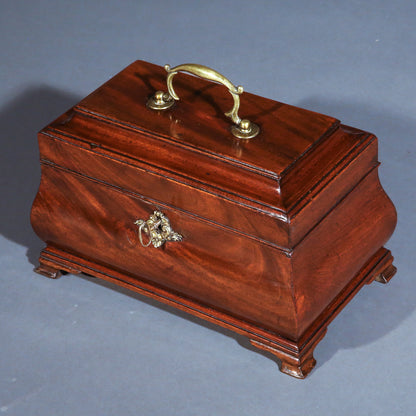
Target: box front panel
{"x":213,"y":265}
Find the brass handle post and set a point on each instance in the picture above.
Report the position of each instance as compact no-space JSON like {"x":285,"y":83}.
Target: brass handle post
{"x":242,"y":129}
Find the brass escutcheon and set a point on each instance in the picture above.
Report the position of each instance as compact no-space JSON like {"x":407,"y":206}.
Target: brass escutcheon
{"x":158,"y":230}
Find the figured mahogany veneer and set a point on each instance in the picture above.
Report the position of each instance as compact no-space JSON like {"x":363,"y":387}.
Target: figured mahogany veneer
{"x":279,"y":232}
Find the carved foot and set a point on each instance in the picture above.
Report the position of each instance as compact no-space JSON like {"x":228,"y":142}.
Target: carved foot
{"x":48,"y":271}
{"x":298,"y":370}
{"x":293,"y":365}
{"x":386,"y":275}
{"x":384,"y":269}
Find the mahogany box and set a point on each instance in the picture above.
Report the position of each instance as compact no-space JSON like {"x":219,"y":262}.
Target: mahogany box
{"x":267,"y":227}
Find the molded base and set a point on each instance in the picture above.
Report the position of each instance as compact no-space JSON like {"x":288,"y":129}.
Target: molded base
{"x":296,"y":356}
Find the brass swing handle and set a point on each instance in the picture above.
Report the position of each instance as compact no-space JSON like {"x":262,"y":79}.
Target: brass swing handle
{"x":243,"y":129}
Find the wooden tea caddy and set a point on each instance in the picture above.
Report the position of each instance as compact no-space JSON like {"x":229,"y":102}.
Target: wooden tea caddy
{"x":267,"y":227}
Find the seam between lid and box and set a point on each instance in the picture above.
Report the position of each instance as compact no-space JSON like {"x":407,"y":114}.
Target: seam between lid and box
{"x":286,"y":251}
{"x":273,"y":211}
{"x":96,"y":116}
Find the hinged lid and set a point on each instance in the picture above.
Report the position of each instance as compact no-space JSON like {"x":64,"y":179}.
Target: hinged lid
{"x":193,"y":139}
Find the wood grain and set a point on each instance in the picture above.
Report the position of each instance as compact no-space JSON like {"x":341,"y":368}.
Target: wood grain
{"x":279,"y":231}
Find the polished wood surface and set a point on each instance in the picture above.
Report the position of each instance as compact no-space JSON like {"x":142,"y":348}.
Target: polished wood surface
{"x":279,"y":231}
{"x":198,"y":121}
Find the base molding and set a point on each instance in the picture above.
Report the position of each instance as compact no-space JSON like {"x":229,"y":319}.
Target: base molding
{"x":296,"y":357}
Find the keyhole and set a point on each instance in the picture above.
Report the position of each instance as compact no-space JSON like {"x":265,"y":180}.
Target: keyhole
{"x":158,"y":227}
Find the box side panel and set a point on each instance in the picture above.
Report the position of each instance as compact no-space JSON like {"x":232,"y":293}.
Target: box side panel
{"x":212,"y":265}
{"x":339,"y":246}
{"x":345,"y":170}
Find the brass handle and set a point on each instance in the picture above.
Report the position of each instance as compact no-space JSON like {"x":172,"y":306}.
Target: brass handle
{"x":158,"y":230}
{"x":243,"y":129}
